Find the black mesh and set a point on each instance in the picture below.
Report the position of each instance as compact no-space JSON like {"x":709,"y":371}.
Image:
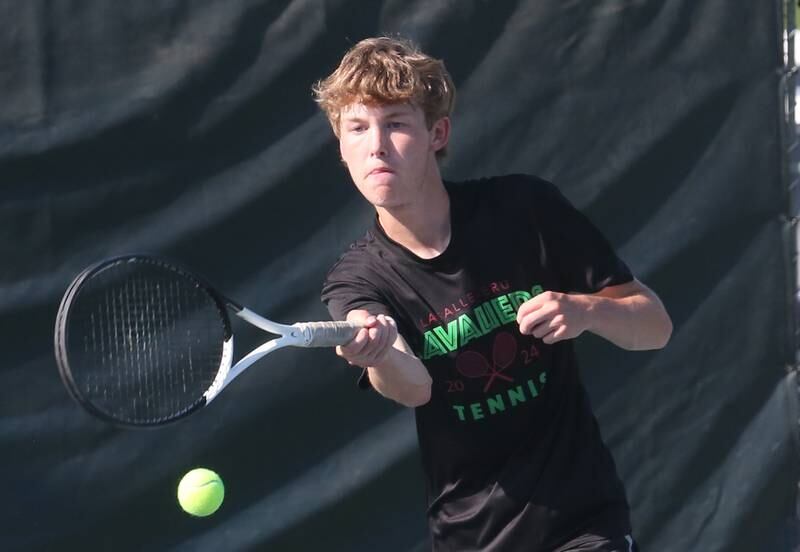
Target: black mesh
{"x":141,"y":341}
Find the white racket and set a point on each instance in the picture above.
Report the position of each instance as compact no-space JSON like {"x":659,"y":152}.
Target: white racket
{"x":140,"y":341}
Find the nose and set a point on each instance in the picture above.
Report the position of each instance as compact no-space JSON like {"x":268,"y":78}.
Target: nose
{"x":377,"y":141}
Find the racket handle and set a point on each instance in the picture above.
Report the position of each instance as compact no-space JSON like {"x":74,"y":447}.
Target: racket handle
{"x":327,"y":334}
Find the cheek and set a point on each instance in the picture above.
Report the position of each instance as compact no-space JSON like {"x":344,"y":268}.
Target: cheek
{"x":417,"y":153}
{"x":346,"y":154}
{"x":343,"y":150}
{"x":411,"y":147}
{"x":350,"y":147}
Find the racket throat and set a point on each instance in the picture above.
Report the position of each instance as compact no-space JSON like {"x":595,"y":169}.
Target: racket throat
{"x":227,"y":375}
{"x":268,"y":325}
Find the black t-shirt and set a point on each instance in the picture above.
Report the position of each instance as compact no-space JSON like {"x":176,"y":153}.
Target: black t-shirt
{"x":511,"y":450}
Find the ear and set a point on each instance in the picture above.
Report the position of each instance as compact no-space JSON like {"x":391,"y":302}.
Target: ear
{"x":440,"y":133}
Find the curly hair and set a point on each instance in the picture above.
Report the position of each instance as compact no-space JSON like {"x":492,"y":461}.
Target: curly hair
{"x":386,"y":70}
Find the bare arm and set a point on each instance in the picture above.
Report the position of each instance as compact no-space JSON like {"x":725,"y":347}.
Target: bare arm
{"x":394,"y":371}
{"x":629,"y":315}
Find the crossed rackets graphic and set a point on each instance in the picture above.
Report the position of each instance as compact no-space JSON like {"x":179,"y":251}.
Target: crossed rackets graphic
{"x":474,"y":365}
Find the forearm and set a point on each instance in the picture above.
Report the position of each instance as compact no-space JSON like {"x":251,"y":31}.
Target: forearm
{"x":402,"y":377}
{"x":637,"y":322}
{"x":393,"y":369}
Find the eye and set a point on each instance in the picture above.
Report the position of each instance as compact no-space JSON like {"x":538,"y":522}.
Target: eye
{"x":395,"y":124}
{"x":356,"y":128}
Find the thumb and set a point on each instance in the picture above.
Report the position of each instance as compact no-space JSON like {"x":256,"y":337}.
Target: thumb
{"x":362,"y":317}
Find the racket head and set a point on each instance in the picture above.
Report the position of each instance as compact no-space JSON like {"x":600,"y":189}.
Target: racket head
{"x":140,"y":341}
{"x":504,"y":350}
{"x":472,"y":364}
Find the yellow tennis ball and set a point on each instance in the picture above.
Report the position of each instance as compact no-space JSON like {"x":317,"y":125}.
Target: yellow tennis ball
{"x":200,"y":492}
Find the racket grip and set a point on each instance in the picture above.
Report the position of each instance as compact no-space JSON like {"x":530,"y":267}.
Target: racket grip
{"x":327,"y":334}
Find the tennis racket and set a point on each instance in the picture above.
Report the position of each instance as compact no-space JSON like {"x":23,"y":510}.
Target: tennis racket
{"x":140,"y":341}
{"x":474,"y":365}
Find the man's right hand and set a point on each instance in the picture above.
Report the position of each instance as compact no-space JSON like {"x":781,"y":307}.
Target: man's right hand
{"x":372,"y":343}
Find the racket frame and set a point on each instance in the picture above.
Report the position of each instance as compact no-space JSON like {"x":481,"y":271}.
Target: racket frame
{"x":301,"y":334}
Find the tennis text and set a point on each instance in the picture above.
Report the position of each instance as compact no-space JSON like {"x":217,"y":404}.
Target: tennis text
{"x":510,"y":398}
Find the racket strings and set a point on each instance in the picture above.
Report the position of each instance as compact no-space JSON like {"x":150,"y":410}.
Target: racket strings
{"x":147,"y":342}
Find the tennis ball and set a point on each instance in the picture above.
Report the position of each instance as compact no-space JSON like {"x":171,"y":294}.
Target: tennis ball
{"x":200,"y":492}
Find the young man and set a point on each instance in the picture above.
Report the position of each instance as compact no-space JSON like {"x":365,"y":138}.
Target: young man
{"x":470,"y":294}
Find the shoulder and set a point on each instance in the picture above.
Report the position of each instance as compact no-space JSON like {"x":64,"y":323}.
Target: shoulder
{"x":359,"y":261}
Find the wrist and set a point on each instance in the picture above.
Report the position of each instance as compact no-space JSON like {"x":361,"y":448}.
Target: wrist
{"x":382,"y":359}
{"x":590,"y":307}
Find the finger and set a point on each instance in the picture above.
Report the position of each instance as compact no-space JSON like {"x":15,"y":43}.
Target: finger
{"x":382,"y":340}
{"x":547,"y":324}
{"x":544,"y":313}
{"x":558,"y":334}
{"x":358,"y":316}
{"x":357,"y":344}
{"x":528,"y":307}
{"x":359,"y":340}
{"x":542,"y":329}
{"x":370,"y":321}
{"x":343,"y":356}
{"x":383,"y":328}
{"x":531,"y":321}
{"x":389,"y":335}
{"x":374,"y":333}
{"x":390,"y":320}
{"x":377,"y":347}
{"x":363,"y":343}
{"x":534,"y":304}
{"x":384,"y":320}
{"x":389,"y":324}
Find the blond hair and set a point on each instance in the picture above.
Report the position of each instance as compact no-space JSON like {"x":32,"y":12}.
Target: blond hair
{"x":385,"y":70}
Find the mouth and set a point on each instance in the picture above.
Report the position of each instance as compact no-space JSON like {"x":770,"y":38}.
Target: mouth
{"x":380,"y":170}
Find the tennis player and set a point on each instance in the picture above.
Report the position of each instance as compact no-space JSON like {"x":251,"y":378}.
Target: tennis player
{"x":471,"y":294}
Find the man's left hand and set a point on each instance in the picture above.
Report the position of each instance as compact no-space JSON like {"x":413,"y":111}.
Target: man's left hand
{"x":553,"y":316}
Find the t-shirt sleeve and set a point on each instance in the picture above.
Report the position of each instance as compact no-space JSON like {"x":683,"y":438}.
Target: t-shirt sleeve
{"x":581,"y":255}
{"x":348,"y":288}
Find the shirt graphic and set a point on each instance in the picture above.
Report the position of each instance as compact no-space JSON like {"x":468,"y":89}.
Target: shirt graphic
{"x":502,"y":383}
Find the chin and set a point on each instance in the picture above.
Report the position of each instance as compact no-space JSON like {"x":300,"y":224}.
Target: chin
{"x":384,"y":201}
{"x":382,"y":195}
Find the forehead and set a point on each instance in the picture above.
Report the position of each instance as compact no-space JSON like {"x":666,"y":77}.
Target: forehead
{"x":361,"y":110}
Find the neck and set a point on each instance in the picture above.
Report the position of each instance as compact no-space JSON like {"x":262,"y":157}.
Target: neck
{"x":422,"y":227}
